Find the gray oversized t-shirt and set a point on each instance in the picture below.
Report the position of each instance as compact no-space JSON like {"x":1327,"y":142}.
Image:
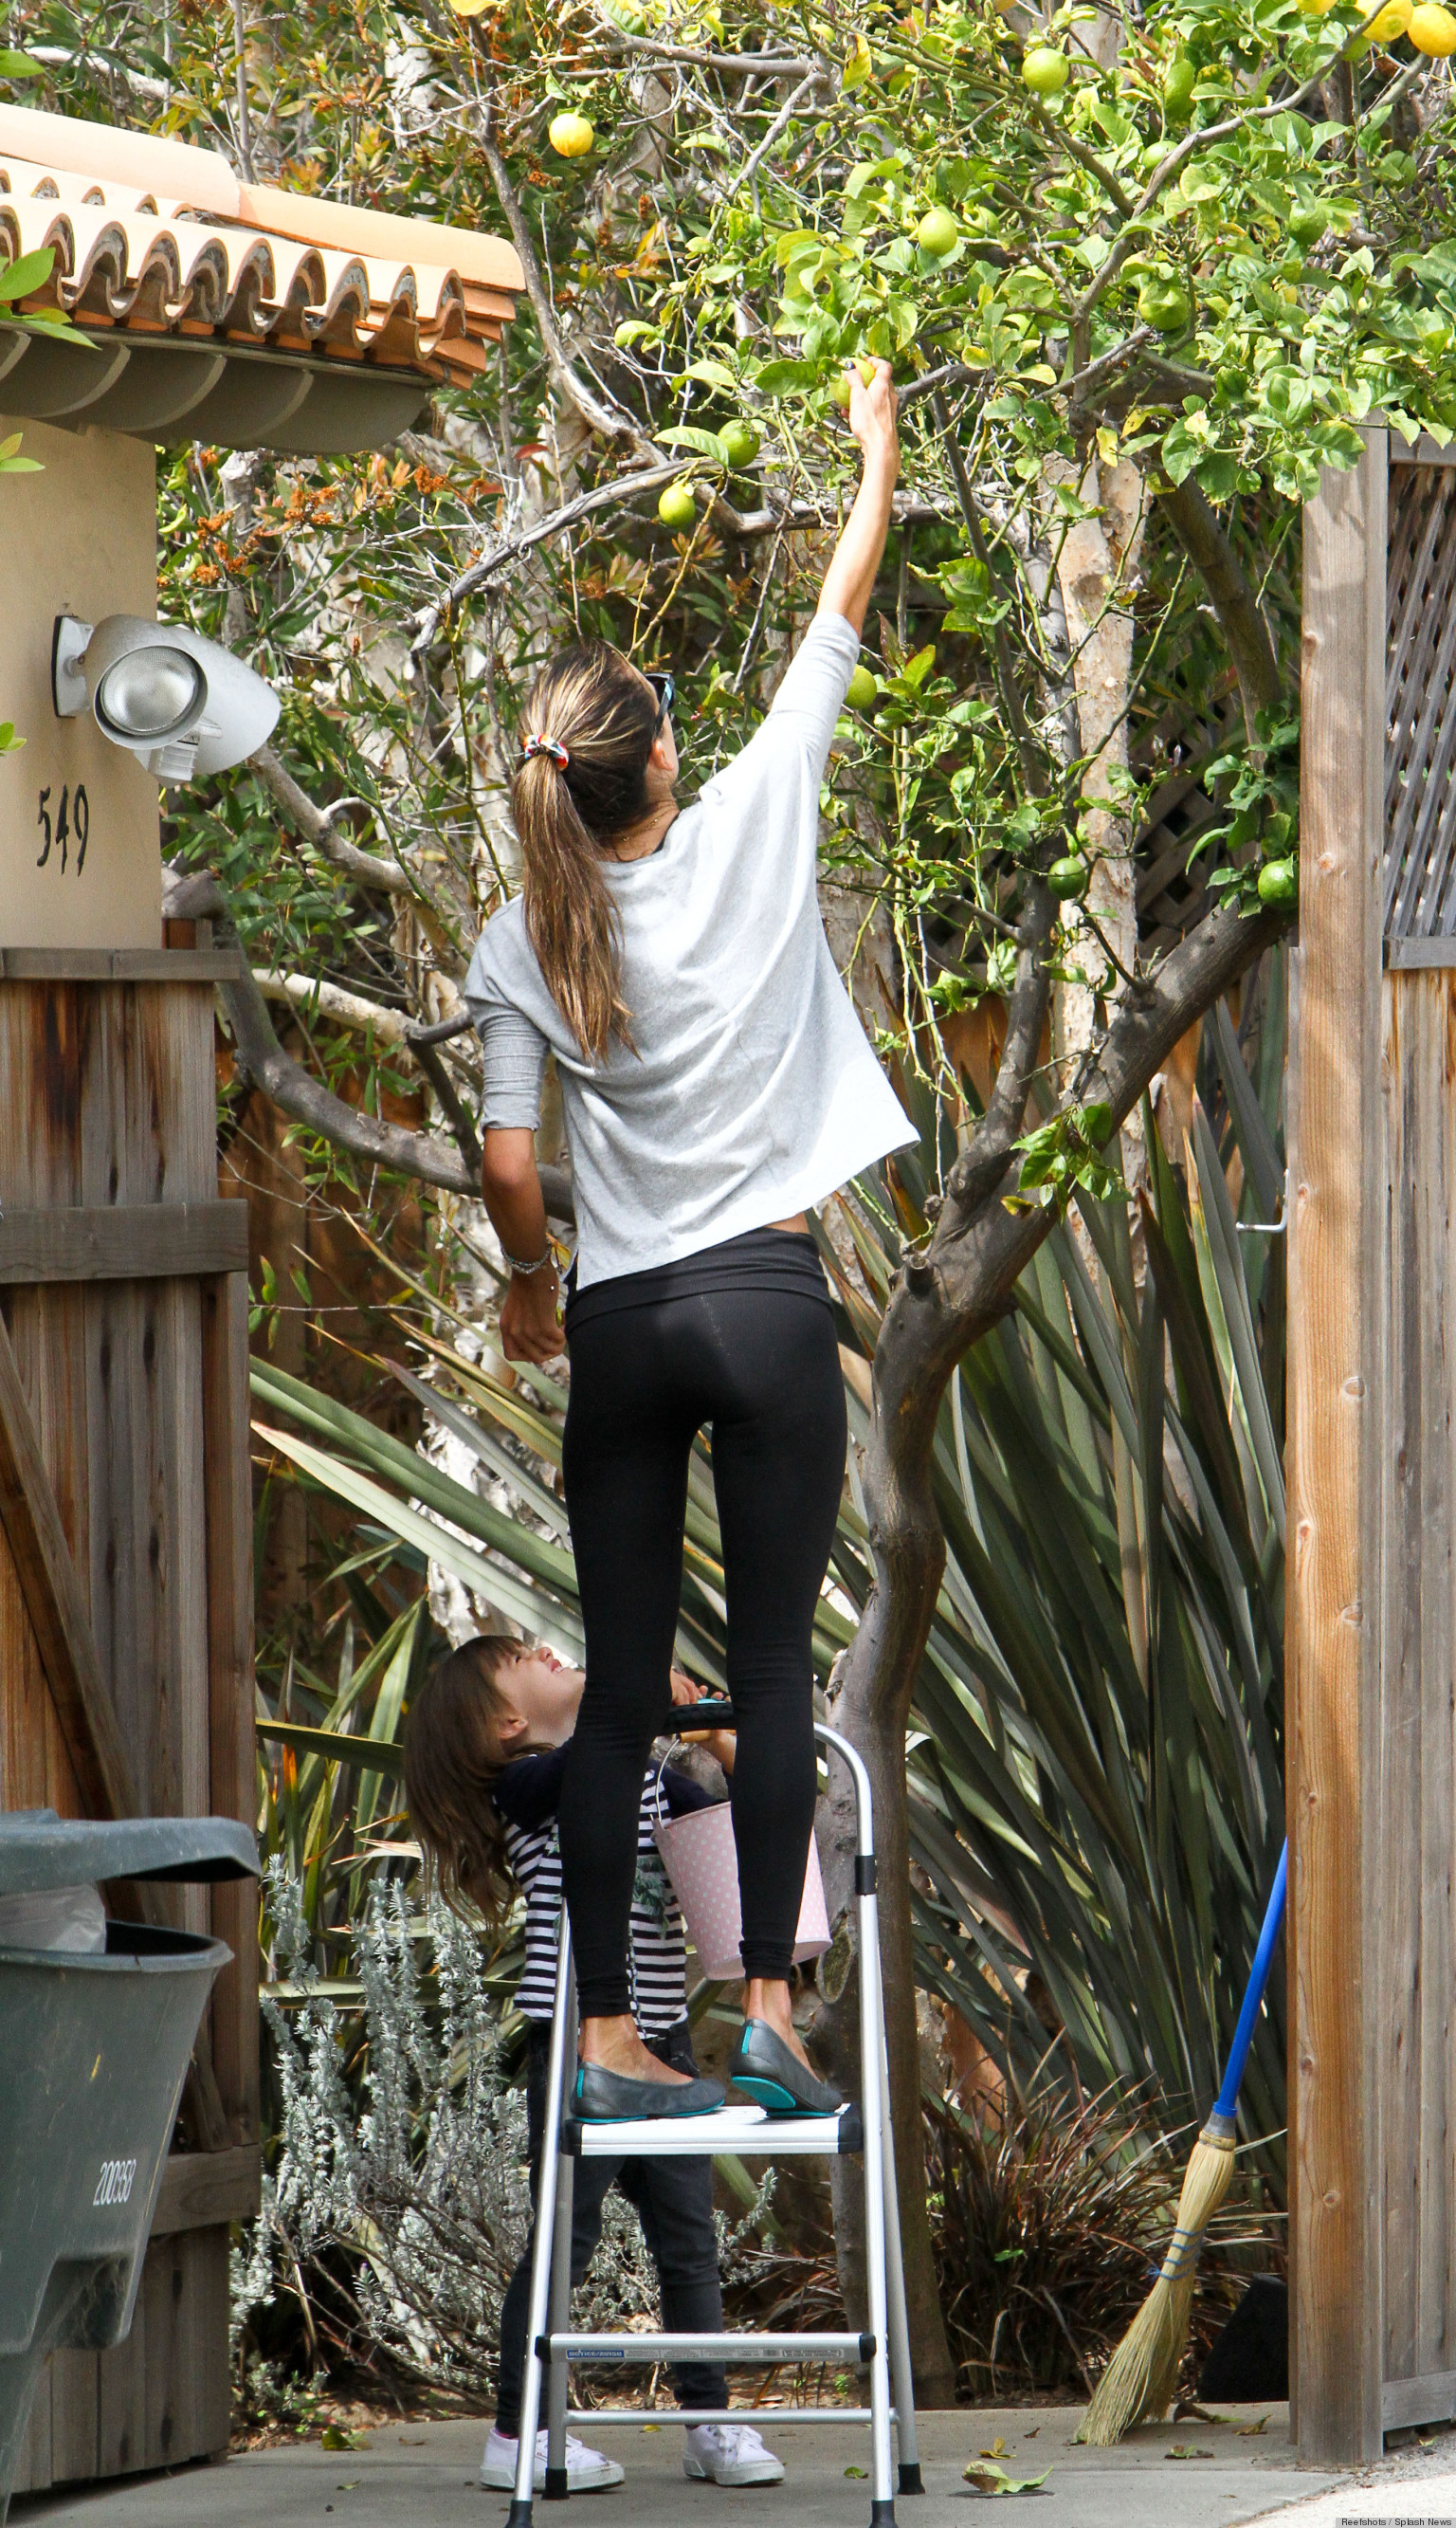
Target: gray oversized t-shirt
{"x":753,"y":1090}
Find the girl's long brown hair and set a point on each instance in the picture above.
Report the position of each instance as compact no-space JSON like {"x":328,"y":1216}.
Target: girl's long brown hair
{"x":597,"y":706}
{"x":451,"y":1758}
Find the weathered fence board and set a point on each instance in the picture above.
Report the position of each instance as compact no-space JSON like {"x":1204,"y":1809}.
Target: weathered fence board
{"x":1336,"y":1212}
{"x":126,"y":1593}
{"x":1371,"y":1593}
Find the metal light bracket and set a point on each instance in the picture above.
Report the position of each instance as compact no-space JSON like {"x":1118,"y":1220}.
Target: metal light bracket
{"x":69,"y":641}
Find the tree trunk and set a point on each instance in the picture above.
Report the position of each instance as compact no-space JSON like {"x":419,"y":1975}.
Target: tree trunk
{"x":940,"y":1303}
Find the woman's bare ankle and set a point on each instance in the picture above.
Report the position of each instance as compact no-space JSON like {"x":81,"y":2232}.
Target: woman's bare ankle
{"x":614,"y":2045}
{"x":771,"y":2001}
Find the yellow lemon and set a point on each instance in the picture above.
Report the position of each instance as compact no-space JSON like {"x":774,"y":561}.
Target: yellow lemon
{"x":571,"y":136}
{"x":1433,"y":29}
{"x":1393,"y":21}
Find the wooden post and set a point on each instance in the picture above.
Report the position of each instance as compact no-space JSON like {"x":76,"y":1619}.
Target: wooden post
{"x":227,"y":1477}
{"x":1337,"y":1217}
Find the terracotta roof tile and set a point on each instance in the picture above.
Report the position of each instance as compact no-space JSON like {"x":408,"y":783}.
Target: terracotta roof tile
{"x":201,"y":254}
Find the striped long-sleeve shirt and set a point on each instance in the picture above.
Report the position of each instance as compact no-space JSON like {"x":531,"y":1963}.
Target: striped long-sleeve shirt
{"x":528,"y":1795}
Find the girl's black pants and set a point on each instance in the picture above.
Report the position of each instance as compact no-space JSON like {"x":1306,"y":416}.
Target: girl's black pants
{"x":759,"y":1365}
{"x":673,"y":2200}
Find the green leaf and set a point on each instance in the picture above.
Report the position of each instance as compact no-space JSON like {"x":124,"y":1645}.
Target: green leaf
{"x":781,"y":377}
{"x":20,"y":66}
{"x":28,"y":274}
{"x":367,"y":1754}
{"x":492,"y":1581}
{"x":704,"y":442}
{"x":10,"y":744}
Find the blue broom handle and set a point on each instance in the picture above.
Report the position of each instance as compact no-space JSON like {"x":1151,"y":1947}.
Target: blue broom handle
{"x":1244,"y":2035}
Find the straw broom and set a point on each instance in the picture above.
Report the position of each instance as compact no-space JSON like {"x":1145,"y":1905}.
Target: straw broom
{"x":1138,"y":2383}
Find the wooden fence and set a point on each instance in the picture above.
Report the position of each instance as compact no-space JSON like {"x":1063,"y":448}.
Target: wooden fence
{"x":1372,"y":1461}
{"x":126,"y":1580}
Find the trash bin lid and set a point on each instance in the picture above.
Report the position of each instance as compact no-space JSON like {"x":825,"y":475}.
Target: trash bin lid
{"x":39,"y":1849}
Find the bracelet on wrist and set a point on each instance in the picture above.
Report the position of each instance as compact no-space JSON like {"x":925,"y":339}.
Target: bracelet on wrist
{"x":526,"y":1270}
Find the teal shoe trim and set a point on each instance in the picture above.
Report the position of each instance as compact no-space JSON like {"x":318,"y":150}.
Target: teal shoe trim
{"x":775,"y":2100}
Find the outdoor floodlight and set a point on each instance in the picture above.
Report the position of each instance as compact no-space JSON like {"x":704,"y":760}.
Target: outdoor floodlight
{"x":186,"y":706}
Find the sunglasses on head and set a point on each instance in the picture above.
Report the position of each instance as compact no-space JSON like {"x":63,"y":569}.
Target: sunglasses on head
{"x":664,"y":689}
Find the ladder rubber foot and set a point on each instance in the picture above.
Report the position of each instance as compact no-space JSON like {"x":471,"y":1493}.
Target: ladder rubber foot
{"x":881,"y":2515}
{"x":518,"y":2515}
{"x":910,"y":2479}
{"x":557,"y":2486}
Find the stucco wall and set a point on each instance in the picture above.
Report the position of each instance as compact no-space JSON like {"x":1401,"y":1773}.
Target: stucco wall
{"x":79,"y":539}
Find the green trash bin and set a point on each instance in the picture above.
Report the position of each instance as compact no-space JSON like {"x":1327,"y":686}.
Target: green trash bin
{"x":97,"y":2034}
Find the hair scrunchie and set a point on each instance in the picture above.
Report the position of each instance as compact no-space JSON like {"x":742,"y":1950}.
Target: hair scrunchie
{"x":551,"y":746}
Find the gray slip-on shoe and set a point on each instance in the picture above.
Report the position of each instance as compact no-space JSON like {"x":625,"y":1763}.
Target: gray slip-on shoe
{"x":763,"y":2064}
{"x":609,"y":2097}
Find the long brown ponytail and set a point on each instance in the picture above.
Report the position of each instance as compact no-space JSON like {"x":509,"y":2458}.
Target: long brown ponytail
{"x":451,"y":1758}
{"x":592,"y":703}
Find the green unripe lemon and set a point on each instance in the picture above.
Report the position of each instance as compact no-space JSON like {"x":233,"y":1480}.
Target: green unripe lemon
{"x":864,"y":689}
{"x":571,"y":136}
{"x":740,"y":442}
{"x":843,"y":384}
{"x":1278,"y":882}
{"x":1308,"y":222}
{"x":677,"y":507}
{"x":1044,"y":70}
{"x":1163,"y":304}
{"x":1177,"y":86}
{"x":1068,"y":880}
{"x":937,"y":231}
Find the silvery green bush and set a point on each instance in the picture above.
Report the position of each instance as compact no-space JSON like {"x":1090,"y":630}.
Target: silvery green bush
{"x":397,"y":2202}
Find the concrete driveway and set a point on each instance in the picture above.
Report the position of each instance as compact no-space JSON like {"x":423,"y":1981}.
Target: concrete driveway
{"x":424,"y":2472}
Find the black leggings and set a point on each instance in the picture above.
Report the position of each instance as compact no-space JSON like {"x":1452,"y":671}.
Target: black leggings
{"x":762,"y":1368}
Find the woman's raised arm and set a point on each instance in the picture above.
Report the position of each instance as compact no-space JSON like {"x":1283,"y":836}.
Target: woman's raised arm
{"x":849,"y":582}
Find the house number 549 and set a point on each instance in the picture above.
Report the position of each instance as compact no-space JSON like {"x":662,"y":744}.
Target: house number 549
{"x":73,"y":823}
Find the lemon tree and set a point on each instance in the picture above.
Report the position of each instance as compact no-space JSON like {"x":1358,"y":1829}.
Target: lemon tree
{"x":1134,"y":296}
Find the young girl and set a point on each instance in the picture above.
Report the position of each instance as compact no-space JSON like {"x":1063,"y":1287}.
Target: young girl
{"x":483,"y":1753}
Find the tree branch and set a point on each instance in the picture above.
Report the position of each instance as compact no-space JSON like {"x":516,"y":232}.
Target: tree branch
{"x":741,"y":64}
{"x":604,"y":496}
{"x":747,"y":524}
{"x":1197,"y":528}
{"x":316,"y":826}
{"x":261,"y":1059}
{"x":309,"y":993}
{"x":1032,"y":771}
{"x":609,"y":420}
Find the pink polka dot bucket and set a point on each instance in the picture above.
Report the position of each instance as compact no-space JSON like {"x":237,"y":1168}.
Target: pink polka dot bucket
{"x":701,"y":1859}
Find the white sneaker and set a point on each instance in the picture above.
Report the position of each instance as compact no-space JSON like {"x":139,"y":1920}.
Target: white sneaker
{"x":587,"y":2470}
{"x":730,"y":2454}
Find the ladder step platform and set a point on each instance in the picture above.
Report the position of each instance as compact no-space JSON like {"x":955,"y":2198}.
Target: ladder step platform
{"x":731,"y":2349}
{"x":744,"y":2130}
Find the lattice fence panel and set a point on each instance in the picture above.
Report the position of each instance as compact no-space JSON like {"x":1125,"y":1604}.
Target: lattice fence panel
{"x":1420,"y":704}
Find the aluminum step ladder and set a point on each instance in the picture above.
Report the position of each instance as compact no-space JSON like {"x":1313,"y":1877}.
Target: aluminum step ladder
{"x":748,"y":2132}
